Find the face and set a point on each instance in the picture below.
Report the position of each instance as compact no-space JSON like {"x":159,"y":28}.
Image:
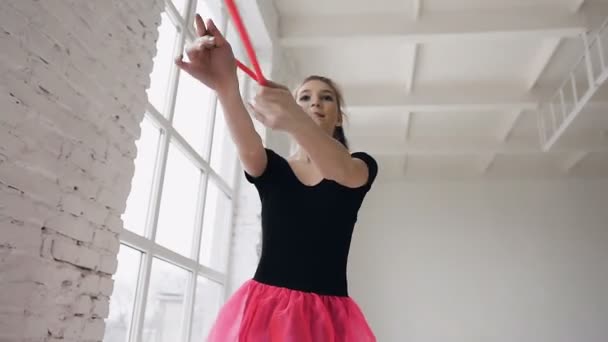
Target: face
{"x":320,"y":102}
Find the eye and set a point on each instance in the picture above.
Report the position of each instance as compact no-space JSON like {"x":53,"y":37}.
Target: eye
{"x":328,"y":98}
{"x":304,"y":98}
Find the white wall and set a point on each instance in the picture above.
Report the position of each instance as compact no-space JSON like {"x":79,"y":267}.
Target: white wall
{"x":74,"y":75}
{"x":491,"y":262}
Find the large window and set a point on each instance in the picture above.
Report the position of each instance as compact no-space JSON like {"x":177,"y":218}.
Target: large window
{"x":172,"y":264}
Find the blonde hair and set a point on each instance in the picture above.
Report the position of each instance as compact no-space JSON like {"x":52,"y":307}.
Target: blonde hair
{"x":339,"y":130}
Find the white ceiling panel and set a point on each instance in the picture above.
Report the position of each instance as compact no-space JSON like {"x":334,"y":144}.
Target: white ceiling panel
{"x":451,"y":88}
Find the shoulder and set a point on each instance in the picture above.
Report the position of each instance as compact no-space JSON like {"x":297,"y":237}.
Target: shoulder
{"x":370,"y":162}
{"x":273,"y":163}
{"x":366,"y":157}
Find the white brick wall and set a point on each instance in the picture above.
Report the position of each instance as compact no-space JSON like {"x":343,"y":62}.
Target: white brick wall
{"x":74,"y":75}
{"x":246,"y":237}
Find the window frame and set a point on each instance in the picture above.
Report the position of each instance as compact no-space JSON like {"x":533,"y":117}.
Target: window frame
{"x":146,"y":244}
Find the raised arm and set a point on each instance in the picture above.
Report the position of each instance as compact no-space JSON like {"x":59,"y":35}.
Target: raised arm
{"x":212,"y":62}
{"x":275,"y":108}
{"x":248,"y":142}
{"x":329,"y":156}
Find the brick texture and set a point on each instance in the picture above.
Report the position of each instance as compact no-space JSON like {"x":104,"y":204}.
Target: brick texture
{"x":74,"y":75}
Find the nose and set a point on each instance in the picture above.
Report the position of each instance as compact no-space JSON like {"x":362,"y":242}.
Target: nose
{"x":315,"y":102}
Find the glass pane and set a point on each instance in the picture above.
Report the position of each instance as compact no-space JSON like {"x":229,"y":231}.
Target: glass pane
{"x":180,"y":5}
{"x":165,"y":305}
{"x":123,"y":296}
{"x":223,"y":152}
{"x":163,"y":63}
{"x":206,"y":11}
{"x":237,"y":46}
{"x":216,"y":228}
{"x":134,"y":216}
{"x":206,"y":307}
{"x":192,"y":112}
{"x":178,"y":203}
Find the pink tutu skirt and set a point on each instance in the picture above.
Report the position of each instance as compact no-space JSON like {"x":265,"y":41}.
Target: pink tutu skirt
{"x":259,"y":312}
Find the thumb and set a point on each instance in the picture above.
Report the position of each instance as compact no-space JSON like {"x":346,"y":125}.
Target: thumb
{"x":187,"y":67}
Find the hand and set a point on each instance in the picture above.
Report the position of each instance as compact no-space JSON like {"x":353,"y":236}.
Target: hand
{"x":275,"y":108}
{"x":211,"y":58}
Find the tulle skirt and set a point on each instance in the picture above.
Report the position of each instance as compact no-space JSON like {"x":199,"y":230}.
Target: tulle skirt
{"x":259,"y":312}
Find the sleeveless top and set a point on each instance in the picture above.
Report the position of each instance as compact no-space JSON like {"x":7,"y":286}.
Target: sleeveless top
{"x":306,"y":230}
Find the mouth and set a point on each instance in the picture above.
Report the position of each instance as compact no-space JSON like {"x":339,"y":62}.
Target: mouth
{"x":319,"y":115}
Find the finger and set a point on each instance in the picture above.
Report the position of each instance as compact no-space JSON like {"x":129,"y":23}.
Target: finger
{"x":187,"y":67}
{"x":275,"y":85}
{"x":256,"y":114}
{"x":200,"y":26}
{"x":194,"y":52}
{"x":205,"y":42}
{"x":209,"y":42}
{"x":219,"y":38}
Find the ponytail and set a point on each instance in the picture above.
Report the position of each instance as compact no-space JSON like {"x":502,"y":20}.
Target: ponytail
{"x":339,"y":135}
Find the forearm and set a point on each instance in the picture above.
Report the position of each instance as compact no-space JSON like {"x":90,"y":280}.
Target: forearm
{"x":329,"y":155}
{"x":238,"y":121}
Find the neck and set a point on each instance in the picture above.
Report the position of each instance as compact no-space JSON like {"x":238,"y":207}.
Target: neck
{"x":301,"y":155}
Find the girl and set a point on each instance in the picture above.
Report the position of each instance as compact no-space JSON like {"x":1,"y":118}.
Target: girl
{"x":309,"y":205}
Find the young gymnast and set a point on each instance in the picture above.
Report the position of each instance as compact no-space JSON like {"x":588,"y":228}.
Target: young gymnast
{"x":309,"y":201}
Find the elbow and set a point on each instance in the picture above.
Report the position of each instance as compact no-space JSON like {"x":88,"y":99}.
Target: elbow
{"x":250,"y":145}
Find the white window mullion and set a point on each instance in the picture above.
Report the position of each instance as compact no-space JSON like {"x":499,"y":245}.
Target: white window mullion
{"x":160,"y":252}
{"x":174,"y":76}
{"x":190,"y":295}
{"x":196,"y":246}
{"x":150,"y":233}
{"x":191,"y":153}
{"x":188,"y":313}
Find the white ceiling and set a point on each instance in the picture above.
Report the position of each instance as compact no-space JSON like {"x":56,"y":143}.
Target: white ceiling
{"x":450,"y":88}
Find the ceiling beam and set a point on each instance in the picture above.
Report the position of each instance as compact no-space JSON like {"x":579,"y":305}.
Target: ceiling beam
{"x":452,"y":98}
{"x":503,"y":135}
{"x":373,"y":98}
{"x":546,"y":53}
{"x":411,"y":77}
{"x":541,"y":61}
{"x":572,"y":161}
{"x":471,"y":147}
{"x":505,"y":131}
{"x":486,"y":163}
{"x":406,"y":164}
{"x":297,"y":31}
{"x":408,"y":125}
{"x":577,"y":4}
{"x":417,"y":9}
{"x":445,"y":106}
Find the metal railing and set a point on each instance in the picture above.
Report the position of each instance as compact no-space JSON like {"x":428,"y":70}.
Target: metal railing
{"x":584,"y":79}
